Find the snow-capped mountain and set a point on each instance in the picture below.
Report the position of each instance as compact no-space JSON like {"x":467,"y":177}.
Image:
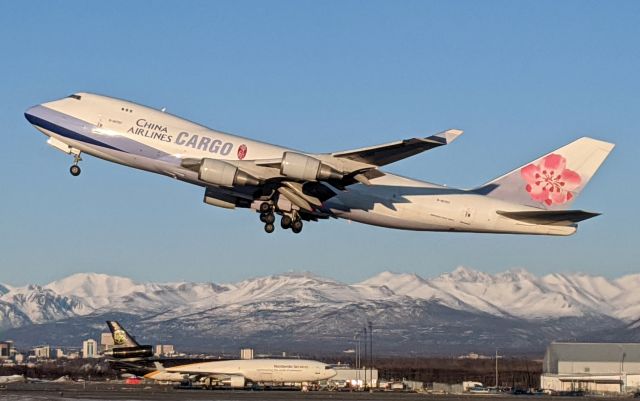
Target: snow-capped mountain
{"x":520,"y":294}
{"x":464,"y":308}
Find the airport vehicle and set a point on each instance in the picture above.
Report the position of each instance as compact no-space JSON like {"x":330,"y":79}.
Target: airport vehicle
{"x":236,"y":373}
{"x":125,"y":347}
{"x":300,"y":186}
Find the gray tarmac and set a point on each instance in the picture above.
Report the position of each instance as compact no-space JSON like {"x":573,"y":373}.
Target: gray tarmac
{"x":114,"y":391}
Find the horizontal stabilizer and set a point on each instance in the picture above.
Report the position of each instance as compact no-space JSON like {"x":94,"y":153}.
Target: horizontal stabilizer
{"x":381,"y":155}
{"x":550,"y":217}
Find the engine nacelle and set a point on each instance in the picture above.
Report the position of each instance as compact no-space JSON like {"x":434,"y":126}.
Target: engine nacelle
{"x":141,"y":351}
{"x":214,"y":198}
{"x":234,"y":381}
{"x":306,"y":168}
{"x":224,"y":174}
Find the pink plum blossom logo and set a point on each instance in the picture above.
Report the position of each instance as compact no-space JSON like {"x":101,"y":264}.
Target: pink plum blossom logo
{"x":549,"y":180}
{"x":242,"y":151}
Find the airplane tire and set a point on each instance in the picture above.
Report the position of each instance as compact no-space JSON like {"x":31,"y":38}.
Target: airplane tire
{"x":285,"y":222}
{"x":265,"y":207}
{"x":75,"y":170}
{"x":269,"y":228}
{"x":269,"y":218}
{"x":296,"y":226}
{"x":263,"y":217}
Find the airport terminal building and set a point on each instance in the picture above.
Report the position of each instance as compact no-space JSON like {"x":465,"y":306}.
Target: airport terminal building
{"x":592,"y":367}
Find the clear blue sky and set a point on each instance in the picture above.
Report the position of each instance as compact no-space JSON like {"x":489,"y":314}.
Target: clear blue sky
{"x":521,"y":78}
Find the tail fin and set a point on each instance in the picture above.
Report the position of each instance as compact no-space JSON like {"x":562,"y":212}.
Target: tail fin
{"x":554,"y":180}
{"x":120,"y":336}
{"x":160,"y":367}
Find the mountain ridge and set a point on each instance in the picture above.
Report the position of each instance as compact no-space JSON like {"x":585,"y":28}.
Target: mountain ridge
{"x":462,"y":308}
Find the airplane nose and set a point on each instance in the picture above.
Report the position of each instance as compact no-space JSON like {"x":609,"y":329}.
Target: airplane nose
{"x":30,"y":114}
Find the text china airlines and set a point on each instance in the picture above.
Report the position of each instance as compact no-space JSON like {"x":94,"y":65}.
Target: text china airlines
{"x":156,"y":131}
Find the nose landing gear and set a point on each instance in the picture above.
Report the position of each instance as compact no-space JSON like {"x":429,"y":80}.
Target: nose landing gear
{"x":75,"y":169}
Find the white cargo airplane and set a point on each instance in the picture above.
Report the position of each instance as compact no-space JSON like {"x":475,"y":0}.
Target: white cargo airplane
{"x":232,"y":373}
{"x":236,"y":373}
{"x":239,"y":172}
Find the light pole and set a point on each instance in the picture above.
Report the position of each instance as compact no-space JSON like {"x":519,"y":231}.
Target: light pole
{"x":623,"y":381}
{"x":371,"y":351}
{"x":364,"y":337}
{"x":356,"y":337}
{"x":496,"y":369}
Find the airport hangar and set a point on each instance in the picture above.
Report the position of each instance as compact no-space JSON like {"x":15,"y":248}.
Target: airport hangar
{"x":592,"y":367}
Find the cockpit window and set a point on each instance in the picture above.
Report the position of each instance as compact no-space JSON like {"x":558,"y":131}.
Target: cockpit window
{"x":77,"y":97}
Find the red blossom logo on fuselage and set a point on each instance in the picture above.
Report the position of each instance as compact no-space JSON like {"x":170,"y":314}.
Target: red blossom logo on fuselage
{"x":549,"y":180}
{"x":242,"y":151}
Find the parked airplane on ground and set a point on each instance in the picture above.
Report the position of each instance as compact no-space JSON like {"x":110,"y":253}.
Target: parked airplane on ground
{"x":239,"y":172}
{"x":236,"y":373}
{"x":232,"y":373}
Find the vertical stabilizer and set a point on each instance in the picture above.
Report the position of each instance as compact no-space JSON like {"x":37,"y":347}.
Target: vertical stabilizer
{"x":120,"y":336}
{"x":554,"y":180}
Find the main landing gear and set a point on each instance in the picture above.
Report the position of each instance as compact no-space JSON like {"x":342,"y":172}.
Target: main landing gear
{"x":268,"y":217}
{"x":75,"y":169}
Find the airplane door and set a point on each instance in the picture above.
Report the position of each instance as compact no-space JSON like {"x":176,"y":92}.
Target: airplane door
{"x":467,"y":216}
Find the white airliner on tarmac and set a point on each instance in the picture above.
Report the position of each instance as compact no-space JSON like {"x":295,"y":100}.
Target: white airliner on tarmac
{"x":231,"y":373}
{"x":240,"y":172}
{"x":236,"y":373}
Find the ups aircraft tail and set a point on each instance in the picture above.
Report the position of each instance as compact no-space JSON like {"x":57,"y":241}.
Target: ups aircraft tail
{"x":553,"y":181}
{"x":125,"y":346}
{"x":120,"y":336}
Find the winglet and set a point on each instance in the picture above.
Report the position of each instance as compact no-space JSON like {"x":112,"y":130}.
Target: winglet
{"x":450,"y":135}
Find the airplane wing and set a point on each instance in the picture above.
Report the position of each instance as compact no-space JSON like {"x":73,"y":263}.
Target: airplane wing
{"x":552,"y":217}
{"x":391,"y":152}
{"x":300,"y":177}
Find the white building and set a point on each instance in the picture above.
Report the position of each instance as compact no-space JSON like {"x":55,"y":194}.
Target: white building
{"x":165,"y":349}
{"x":90,"y":349}
{"x":43,"y":352}
{"x":6,"y":348}
{"x":106,"y":341}
{"x":246,"y":353}
{"x":592,"y":367}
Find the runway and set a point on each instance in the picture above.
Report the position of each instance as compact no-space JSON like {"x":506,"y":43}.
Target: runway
{"x":116,"y":391}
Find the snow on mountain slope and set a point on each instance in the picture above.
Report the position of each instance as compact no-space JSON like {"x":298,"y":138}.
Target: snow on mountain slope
{"x":4,"y":289}
{"x":520,"y":294}
{"x":512,"y":294}
{"x":123,"y":294}
{"x":35,"y":304}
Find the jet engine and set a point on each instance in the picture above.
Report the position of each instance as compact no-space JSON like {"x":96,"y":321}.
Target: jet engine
{"x":234,"y":381}
{"x":142,"y":351}
{"x":224,"y":174}
{"x":306,"y":168}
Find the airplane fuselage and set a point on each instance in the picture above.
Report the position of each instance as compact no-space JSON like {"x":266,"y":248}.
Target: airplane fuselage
{"x":148,"y":139}
{"x":253,"y":370}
